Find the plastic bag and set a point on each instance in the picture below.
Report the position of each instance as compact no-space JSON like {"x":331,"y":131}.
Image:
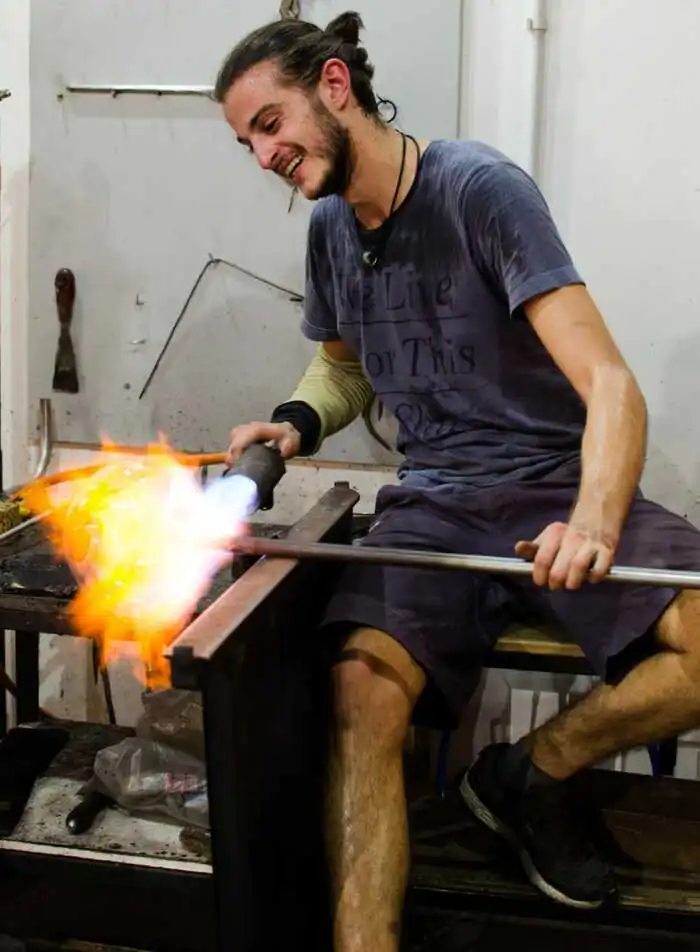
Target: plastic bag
{"x":174,"y":718}
{"x":145,"y":776}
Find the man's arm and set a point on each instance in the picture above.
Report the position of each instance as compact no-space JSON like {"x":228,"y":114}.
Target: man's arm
{"x":520,"y":246}
{"x":332,"y":393}
{"x":614,"y":442}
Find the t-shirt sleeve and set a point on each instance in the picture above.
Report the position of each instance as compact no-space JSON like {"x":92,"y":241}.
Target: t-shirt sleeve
{"x":513,"y":234}
{"x":319,"y":322}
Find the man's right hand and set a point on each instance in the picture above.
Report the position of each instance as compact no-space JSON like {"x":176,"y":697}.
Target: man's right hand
{"x":287,"y":438}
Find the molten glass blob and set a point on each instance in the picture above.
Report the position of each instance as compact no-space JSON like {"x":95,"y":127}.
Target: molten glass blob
{"x":144,"y":540}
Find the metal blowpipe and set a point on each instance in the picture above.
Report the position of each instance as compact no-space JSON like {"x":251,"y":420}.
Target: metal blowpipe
{"x":325,"y":551}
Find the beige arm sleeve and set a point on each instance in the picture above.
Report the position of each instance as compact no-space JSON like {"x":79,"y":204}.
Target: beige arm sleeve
{"x":336,"y":389}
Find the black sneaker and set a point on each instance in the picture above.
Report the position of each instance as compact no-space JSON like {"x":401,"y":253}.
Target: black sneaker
{"x":506,"y":792}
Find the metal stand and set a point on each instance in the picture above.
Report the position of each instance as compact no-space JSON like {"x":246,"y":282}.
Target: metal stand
{"x":27,"y":675}
{"x":27,"y":643}
{"x":267,"y":710}
{"x":3,"y":691}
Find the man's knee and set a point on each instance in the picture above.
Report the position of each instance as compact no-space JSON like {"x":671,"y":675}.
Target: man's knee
{"x":376,"y":684}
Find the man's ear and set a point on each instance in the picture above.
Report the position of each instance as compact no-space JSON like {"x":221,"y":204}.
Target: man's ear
{"x":335,"y":85}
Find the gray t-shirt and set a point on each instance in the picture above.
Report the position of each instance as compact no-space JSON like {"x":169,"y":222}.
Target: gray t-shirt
{"x":438,"y":321}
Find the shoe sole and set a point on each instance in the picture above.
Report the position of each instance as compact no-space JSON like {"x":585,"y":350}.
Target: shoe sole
{"x":489,"y":819}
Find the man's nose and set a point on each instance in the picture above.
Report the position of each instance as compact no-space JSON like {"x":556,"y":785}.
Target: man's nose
{"x":264,"y":153}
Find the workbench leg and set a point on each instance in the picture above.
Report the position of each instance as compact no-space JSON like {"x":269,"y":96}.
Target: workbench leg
{"x":268,"y":721}
{"x":27,"y":675}
{"x":233,"y":886}
{"x":264,"y":772}
{"x":3,"y":692}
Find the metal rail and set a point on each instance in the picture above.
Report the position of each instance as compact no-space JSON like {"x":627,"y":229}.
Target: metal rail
{"x":114,"y":90}
{"x":45,"y":454}
{"x":270,"y":548}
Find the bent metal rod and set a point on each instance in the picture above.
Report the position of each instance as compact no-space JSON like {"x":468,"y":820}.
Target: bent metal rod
{"x":333,"y":552}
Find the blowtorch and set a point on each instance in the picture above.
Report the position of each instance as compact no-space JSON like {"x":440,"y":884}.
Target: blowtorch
{"x":249,"y":484}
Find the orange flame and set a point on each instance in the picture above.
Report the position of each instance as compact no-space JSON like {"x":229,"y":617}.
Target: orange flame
{"x":143,"y":539}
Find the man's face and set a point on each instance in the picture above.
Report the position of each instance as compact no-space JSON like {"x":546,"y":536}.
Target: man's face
{"x":290,"y":132}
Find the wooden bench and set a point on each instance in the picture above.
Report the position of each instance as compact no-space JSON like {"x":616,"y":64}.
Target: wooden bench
{"x":534,"y":647}
{"x":546,"y":648}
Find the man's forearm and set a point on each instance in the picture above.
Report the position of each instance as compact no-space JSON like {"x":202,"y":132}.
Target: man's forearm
{"x":613,"y":452}
{"x":331,"y":394}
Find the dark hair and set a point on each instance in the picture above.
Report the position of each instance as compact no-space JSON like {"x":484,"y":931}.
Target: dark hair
{"x":300,"y":50}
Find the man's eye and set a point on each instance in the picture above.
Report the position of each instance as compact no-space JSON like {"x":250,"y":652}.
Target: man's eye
{"x":270,"y":126}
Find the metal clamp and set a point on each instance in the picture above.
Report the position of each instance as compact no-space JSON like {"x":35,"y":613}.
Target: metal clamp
{"x":538,"y":22}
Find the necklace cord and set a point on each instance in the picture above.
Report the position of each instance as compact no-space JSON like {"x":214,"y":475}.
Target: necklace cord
{"x":400,"y":178}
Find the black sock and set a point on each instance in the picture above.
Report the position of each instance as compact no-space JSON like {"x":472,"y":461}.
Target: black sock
{"x":529,"y":774}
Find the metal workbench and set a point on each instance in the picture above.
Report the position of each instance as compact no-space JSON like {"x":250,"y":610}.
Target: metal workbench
{"x":253,"y":652}
{"x":250,"y":651}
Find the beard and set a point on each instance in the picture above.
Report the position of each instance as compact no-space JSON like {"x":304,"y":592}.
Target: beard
{"x":337,"y":148}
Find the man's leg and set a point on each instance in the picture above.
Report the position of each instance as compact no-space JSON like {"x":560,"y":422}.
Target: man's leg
{"x":519,"y":791}
{"x":658,"y":699}
{"x":376,"y":685}
{"x":440,"y":623}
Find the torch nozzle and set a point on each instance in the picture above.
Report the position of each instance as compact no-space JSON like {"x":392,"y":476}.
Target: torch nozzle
{"x":263,"y":465}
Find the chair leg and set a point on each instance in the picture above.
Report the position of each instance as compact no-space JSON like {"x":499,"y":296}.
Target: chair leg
{"x":668,"y":755}
{"x":663,"y":757}
{"x":442,"y":759}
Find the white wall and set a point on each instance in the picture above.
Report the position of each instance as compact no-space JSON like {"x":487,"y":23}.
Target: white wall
{"x":14,"y":237}
{"x":617,"y":162}
{"x":621,"y":141}
{"x":134,"y":193}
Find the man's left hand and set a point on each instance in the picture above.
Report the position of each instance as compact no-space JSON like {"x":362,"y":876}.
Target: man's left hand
{"x":565,"y":555}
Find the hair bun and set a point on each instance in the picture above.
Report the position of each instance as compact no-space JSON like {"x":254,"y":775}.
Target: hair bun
{"x":346,"y":27}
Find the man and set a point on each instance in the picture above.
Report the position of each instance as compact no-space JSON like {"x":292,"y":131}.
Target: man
{"x":437,"y":279}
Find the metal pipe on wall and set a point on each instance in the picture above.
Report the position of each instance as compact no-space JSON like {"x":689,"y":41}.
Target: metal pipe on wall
{"x":45,"y":438}
{"x":461,"y":72}
{"x":537,"y":26}
{"x":114,"y":90}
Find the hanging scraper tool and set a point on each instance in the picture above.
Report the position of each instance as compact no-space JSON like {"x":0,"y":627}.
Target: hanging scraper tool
{"x":65,"y":374}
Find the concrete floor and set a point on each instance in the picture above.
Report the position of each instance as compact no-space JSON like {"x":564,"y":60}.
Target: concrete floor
{"x":526,"y":937}
{"x":465,"y":936}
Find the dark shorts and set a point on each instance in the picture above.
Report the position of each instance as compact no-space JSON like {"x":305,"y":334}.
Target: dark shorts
{"x":449,"y":620}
